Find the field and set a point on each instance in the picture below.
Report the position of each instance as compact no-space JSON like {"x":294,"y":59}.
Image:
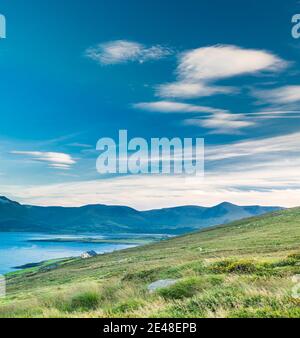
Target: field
{"x":247,"y":268}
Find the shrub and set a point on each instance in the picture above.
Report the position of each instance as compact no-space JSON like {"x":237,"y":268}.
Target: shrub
{"x":239,"y":266}
{"x":266,"y":312}
{"x":295,"y":256}
{"x":289,"y":261}
{"x":85,"y":301}
{"x":184,"y":289}
{"x":242,"y":266}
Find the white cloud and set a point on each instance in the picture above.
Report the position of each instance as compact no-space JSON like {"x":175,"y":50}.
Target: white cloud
{"x":174,"y":107}
{"x":219,"y":120}
{"x":198,"y":68}
{"x":189,"y":90}
{"x":222,"y":61}
{"x":283,"y":145}
{"x":54,"y":159}
{"x":80,"y":145}
{"x":222,"y":123}
{"x":282,"y":95}
{"x":59,"y":166}
{"x":122,"y":51}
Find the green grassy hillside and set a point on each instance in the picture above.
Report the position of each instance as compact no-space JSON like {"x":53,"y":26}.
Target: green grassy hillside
{"x":244,"y":269}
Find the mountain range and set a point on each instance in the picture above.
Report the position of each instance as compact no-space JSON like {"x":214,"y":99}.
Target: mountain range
{"x":101,"y":218}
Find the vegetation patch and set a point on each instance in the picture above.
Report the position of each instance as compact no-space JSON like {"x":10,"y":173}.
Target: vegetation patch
{"x":242,"y":266}
{"x":127,"y":306}
{"x":88,"y":300}
{"x":151,"y":275}
{"x":250,"y":277}
{"x":187,"y":287}
{"x":295,"y":256}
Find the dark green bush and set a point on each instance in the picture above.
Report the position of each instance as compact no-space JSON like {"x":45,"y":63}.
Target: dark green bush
{"x":85,"y":301}
{"x":187,"y":287}
{"x":242,"y":266}
{"x":295,"y":256}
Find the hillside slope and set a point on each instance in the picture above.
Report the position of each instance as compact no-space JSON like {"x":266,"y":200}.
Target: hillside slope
{"x":243,"y":269}
{"x":119,"y":219}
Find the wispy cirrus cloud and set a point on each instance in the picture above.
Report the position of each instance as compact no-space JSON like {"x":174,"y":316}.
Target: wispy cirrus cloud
{"x":222,"y":123}
{"x":80,"y":145}
{"x":189,"y":90}
{"x":199,"y":68}
{"x":282,"y":145}
{"x":122,"y":51}
{"x":174,"y":107}
{"x":218,"y":120}
{"x":55,"y":160}
{"x":282,"y":95}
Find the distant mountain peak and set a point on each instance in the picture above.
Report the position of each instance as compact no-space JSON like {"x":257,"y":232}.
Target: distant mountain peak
{"x":102,"y":218}
{"x":226,"y":204}
{"x":4,"y":199}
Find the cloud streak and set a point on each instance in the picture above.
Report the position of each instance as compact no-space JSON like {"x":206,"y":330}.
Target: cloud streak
{"x":281,"y":145}
{"x":123,"y":51}
{"x":55,"y":160}
{"x":174,"y":107}
{"x":190,"y":90}
{"x":220,"y":121}
{"x":283,"y":95}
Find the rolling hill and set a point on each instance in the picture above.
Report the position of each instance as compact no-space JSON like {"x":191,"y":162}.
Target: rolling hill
{"x":119,"y":219}
{"x":244,"y":269}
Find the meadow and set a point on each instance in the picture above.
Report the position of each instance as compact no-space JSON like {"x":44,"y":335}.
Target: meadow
{"x":247,"y":268}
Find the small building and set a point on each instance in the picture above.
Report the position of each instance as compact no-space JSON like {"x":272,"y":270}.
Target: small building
{"x":89,"y":254}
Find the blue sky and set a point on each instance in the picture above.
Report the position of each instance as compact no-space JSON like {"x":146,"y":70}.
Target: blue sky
{"x":75,"y":71}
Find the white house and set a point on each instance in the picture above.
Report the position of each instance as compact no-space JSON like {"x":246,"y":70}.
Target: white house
{"x":89,"y":254}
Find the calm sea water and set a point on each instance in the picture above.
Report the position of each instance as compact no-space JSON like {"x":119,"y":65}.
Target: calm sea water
{"x":15,"y":250}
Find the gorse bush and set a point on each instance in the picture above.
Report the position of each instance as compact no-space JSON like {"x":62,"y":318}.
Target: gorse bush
{"x":242,"y":266}
{"x":295,"y":256}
